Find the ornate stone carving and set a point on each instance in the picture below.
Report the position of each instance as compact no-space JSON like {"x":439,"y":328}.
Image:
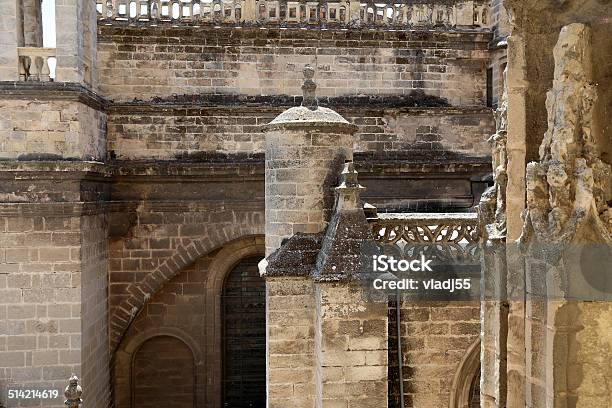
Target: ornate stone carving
{"x":73,"y":393}
{"x":566,"y":188}
{"x":492,"y":206}
{"x":442,"y":237}
{"x":309,"y":89}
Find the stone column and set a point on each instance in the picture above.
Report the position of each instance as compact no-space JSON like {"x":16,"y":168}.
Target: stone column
{"x":11,"y":37}
{"x":32,"y":23}
{"x":249,"y":11}
{"x":76,"y":34}
{"x":494,"y":305}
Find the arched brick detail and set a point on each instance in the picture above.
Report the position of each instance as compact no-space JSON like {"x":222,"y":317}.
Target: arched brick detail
{"x":125,"y":354}
{"x":140,"y":292}
{"x":468,"y":369}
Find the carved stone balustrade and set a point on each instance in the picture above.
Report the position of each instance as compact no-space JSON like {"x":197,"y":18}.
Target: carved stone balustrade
{"x":443,"y":237}
{"x":344,"y":13}
{"x":34,"y":63}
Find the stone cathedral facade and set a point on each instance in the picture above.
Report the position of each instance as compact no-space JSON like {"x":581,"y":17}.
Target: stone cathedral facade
{"x":189,"y":191}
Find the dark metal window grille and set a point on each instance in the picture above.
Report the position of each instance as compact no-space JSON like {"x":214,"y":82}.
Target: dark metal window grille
{"x":244,"y":337}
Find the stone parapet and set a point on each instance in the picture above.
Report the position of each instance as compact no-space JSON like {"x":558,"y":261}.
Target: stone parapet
{"x":339,"y":13}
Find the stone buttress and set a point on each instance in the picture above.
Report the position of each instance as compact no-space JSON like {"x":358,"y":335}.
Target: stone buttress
{"x":325,"y":344}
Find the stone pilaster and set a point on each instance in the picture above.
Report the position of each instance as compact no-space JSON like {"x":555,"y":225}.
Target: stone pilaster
{"x":76,"y":32}
{"x":351,"y":328}
{"x":53,"y":277}
{"x":494,"y":305}
{"x":11,"y":37}
{"x":32,"y":23}
{"x":351,"y":347}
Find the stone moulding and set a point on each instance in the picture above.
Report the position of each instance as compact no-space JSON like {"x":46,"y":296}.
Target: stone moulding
{"x":53,"y":91}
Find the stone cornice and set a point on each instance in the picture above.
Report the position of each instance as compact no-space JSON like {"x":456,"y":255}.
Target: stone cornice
{"x":202,"y":104}
{"x":70,"y":209}
{"x":66,"y":91}
{"x":230,"y":104}
{"x":237,"y":33}
{"x":227,"y":166}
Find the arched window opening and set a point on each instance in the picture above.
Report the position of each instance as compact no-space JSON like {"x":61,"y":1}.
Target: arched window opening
{"x":465,"y":389}
{"x":474,"y":401}
{"x":244,"y":336}
{"x":163,"y":374}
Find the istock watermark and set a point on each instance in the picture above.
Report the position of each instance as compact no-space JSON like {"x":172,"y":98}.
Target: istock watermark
{"x":386,"y":263}
{"x":447,"y":285}
{"x":416,"y":276}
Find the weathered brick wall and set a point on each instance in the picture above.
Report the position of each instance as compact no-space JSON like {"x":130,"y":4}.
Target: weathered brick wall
{"x":172,"y":133}
{"x":158,"y":226}
{"x":51,"y":129}
{"x":435,"y":338}
{"x":145,"y":63}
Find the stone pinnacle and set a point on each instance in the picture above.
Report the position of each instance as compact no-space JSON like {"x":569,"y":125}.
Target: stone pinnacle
{"x":309,"y":89}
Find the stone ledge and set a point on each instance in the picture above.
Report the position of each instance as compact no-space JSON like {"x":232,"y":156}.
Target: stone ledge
{"x":418,"y":103}
{"x":52,"y":209}
{"x":238,"y":32}
{"x":52,"y":91}
{"x":201,"y":103}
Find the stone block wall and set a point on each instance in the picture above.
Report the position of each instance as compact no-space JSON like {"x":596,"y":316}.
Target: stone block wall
{"x":185,"y":313}
{"x":95,"y":356}
{"x":302,"y":169}
{"x":159,"y":62}
{"x":435,"y":339}
{"x":351,"y":350}
{"x":463,"y":131}
{"x":51,"y":129}
{"x":179,"y":304}
{"x":291,"y":333}
{"x":41,"y":309}
{"x":155,"y":236}
{"x":158,"y":132}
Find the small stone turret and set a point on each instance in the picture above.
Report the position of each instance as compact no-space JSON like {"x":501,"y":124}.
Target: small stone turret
{"x":306,"y":147}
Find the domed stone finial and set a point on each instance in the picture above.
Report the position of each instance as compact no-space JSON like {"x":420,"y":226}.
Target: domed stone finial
{"x":309,"y":89}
